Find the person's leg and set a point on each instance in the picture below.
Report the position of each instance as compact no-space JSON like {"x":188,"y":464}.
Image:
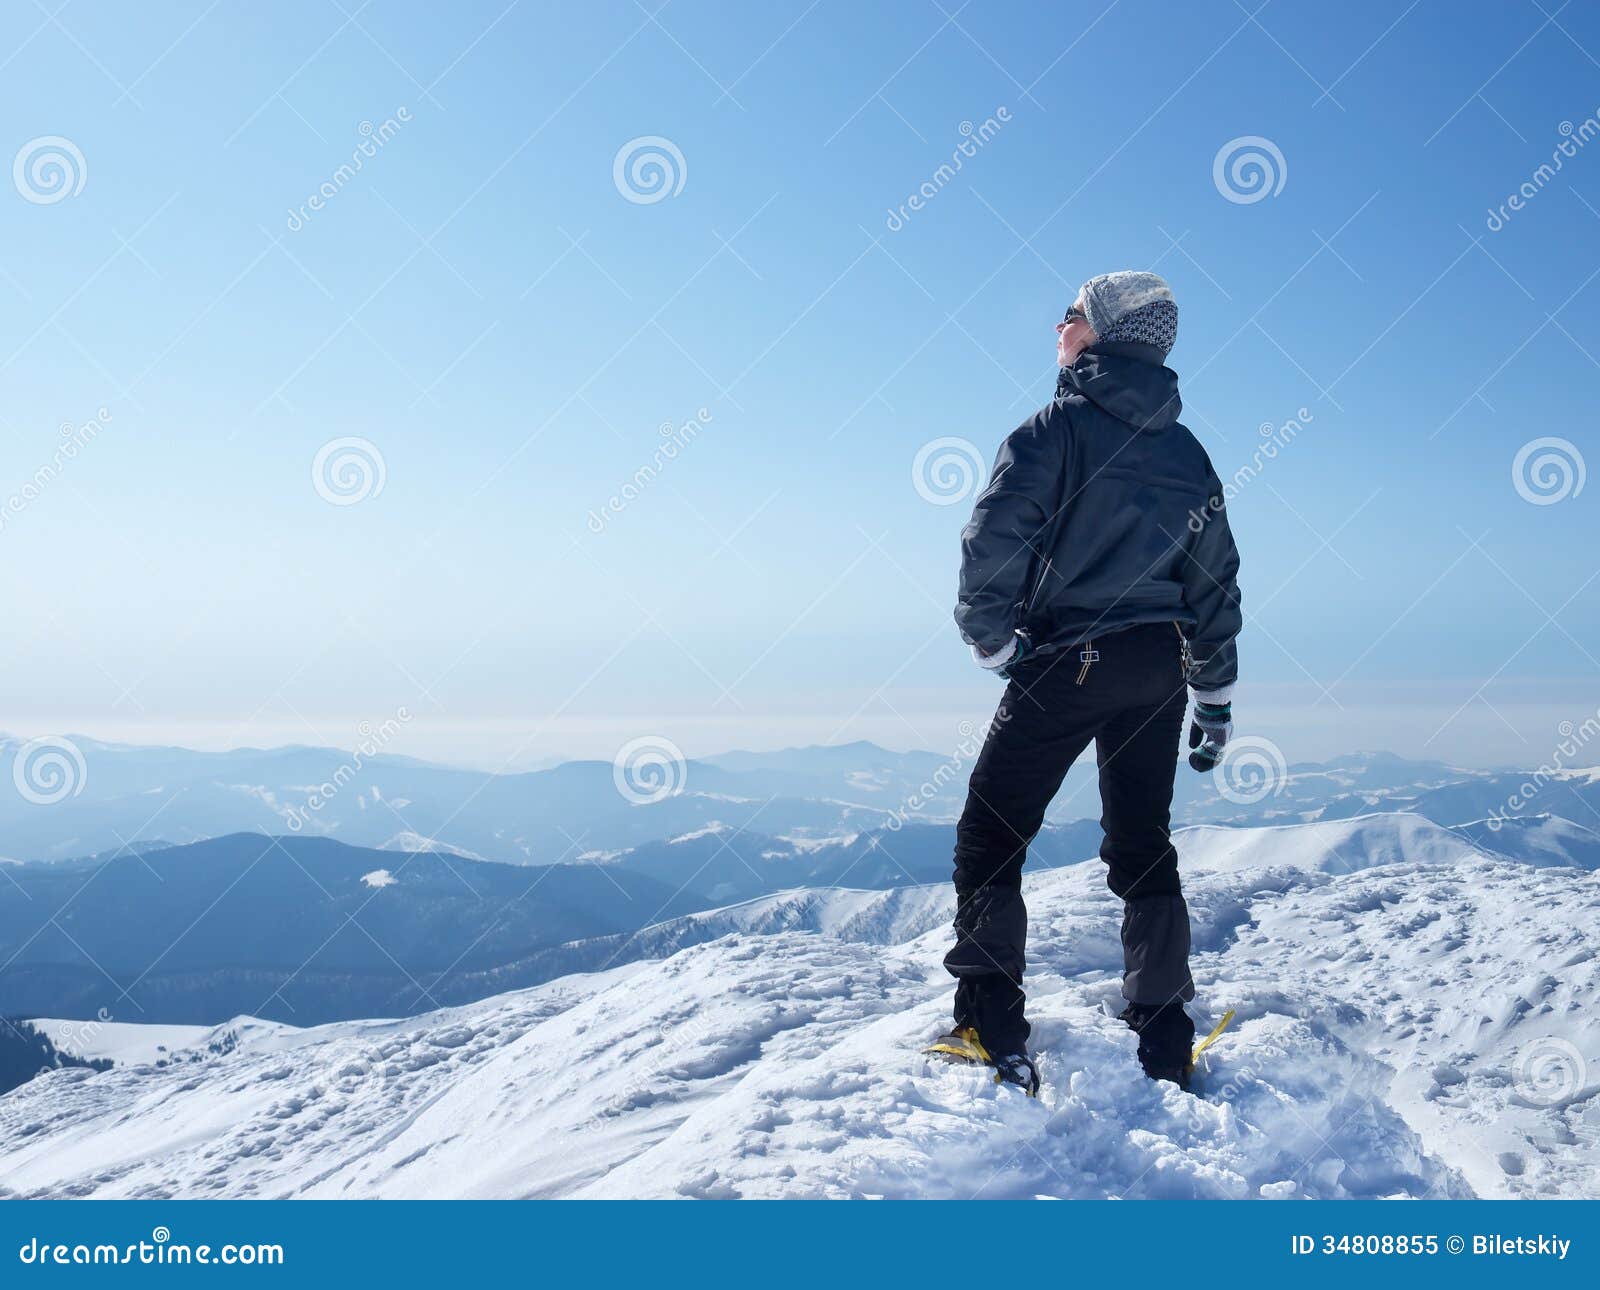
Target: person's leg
{"x":1137,"y":751}
{"x":1039,"y":730}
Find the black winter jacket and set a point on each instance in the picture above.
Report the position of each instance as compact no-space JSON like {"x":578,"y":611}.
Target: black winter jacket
{"x":1103,"y":512}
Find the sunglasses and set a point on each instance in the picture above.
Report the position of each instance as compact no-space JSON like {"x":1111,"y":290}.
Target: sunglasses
{"x":1074,"y":314}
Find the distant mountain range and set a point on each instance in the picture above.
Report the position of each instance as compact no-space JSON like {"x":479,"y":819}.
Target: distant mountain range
{"x":188,"y":901}
{"x":130,"y":797}
{"x":294,"y":929}
{"x":306,"y":930}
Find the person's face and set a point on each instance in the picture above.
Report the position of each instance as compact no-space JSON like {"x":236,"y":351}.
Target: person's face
{"x":1073,"y":335}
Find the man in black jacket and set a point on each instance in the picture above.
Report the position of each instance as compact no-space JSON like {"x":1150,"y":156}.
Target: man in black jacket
{"x":1099,"y":576}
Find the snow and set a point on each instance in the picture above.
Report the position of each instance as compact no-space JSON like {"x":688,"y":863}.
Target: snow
{"x":871,"y":917}
{"x":410,"y":841}
{"x":125,"y":1043}
{"x":379,"y":878}
{"x":712,"y":830}
{"x":137,"y":1044}
{"x":1412,"y":1021}
{"x":803,"y":845}
{"x":867,"y":781}
{"x":1537,"y":839}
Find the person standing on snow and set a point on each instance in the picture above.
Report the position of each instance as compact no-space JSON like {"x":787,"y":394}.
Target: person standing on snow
{"x":1099,"y":577}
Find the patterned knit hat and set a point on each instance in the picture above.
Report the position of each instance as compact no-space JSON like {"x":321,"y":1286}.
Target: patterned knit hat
{"x":1132,"y":306}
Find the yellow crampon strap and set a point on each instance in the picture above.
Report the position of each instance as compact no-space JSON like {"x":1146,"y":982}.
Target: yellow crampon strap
{"x":1211,"y":1038}
{"x":969,"y":1050}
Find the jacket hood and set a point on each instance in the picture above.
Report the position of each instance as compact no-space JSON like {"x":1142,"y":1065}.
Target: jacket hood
{"x":1125,"y":381}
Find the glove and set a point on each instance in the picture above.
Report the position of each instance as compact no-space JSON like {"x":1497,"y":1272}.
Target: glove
{"x":1006,"y":657}
{"x":1209,"y":733}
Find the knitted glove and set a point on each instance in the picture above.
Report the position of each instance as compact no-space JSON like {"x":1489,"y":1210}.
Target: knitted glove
{"x":1209,"y":733}
{"x":1006,"y":657}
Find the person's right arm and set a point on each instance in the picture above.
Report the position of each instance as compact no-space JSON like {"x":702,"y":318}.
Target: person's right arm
{"x":1001,"y":542}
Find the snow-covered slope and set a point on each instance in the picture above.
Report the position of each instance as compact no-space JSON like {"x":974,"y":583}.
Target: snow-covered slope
{"x":1415,"y":1018}
{"x":1538,"y":839}
{"x":128,"y":1043}
{"x":122,"y":1042}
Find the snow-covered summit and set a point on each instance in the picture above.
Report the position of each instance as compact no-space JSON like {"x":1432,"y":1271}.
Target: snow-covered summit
{"x":1415,"y":1017}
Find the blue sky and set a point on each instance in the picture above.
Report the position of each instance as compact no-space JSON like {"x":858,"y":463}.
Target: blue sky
{"x":485,"y":306}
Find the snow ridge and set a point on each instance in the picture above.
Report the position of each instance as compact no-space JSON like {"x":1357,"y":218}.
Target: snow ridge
{"x":1407,"y":1011}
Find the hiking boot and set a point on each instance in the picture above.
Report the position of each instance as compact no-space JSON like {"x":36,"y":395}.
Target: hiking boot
{"x":1166,"y":1040}
{"x":1018,"y":1069}
{"x":963,"y":1045}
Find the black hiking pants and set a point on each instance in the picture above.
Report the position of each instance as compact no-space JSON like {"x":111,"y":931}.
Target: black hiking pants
{"x":1127,"y":693}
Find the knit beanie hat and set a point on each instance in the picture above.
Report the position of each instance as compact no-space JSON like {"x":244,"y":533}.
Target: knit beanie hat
{"x":1130,"y":305}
